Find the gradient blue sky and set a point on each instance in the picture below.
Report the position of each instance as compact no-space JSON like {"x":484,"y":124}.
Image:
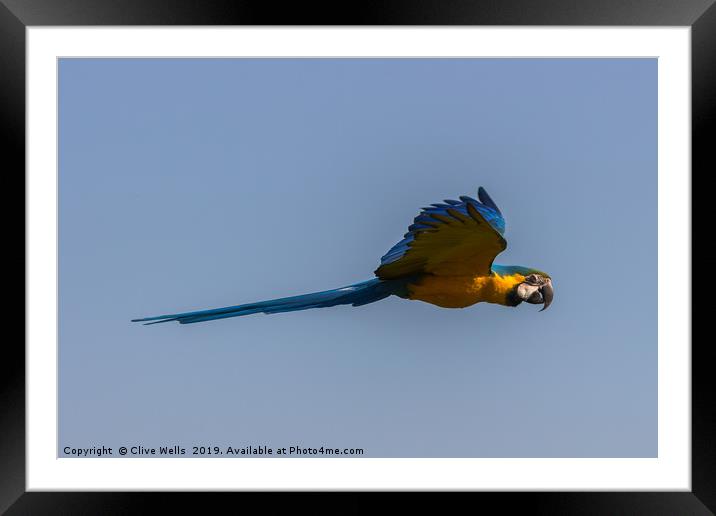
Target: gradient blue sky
{"x":191,"y":184}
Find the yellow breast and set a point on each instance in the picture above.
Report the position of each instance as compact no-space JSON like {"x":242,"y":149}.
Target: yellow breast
{"x":462,"y":291}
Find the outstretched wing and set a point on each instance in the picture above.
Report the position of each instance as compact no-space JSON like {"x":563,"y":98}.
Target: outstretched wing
{"x":456,"y":238}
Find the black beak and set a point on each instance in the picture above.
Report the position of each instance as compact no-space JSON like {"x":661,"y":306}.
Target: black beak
{"x":547,"y":294}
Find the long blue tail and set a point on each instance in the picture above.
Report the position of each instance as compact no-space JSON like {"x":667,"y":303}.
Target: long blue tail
{"x":356,"y":295}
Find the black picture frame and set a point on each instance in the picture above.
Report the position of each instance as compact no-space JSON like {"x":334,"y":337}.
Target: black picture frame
{"x":16,"y":15}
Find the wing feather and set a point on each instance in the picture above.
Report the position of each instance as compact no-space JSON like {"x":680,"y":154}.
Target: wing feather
{"x":457,"y":238}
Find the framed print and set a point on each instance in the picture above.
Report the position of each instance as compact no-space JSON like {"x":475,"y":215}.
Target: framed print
{"x":271,"y":165}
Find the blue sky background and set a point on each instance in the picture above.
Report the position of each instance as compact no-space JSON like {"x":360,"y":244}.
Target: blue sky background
{"x":191,"y":184}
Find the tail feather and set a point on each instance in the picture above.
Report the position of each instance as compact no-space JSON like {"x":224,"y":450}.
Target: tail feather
{"x":357,"y":295}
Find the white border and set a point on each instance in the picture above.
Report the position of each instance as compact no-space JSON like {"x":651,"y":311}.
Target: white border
{"x":670,"y":471}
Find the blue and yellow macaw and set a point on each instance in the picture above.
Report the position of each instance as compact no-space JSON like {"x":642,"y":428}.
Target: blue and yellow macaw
{"x":444,"y":259}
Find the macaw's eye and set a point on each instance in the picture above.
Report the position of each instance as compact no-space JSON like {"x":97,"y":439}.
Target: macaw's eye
{"x":533,"y":279}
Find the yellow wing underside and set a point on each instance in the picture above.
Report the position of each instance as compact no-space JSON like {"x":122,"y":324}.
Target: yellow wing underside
{"x":465,"y":247}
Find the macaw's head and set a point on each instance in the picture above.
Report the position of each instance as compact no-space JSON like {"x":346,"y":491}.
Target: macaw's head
{"x":536,"y":289}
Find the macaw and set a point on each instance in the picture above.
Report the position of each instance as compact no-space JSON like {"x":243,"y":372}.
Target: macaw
{"x":444,"y":259}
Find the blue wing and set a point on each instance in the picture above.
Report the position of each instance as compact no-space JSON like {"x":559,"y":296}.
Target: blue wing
{"x":452,"y":235}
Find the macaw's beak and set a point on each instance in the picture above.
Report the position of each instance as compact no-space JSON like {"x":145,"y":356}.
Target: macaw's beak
{"x":547,"y":294}
{"x":536,"y":290}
